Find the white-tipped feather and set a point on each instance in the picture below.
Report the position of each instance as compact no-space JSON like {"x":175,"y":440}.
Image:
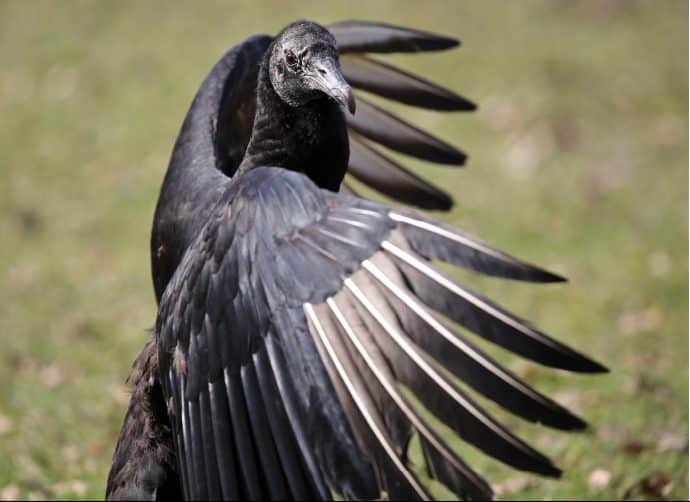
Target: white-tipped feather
{"x":460,"y":239}
{"x":408,"y":347}
{"x":361,"y":405}
{"x":418,"y":309}
{"x":455,"y":289}
{"x":395,"y":395}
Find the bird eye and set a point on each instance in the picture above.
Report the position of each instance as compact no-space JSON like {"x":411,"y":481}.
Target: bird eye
{"x":291,"y":59}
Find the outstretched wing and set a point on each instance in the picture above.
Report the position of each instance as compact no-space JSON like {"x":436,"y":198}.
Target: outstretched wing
{"x":221,"y":117}
{"x":218,"y":125}
{"x":373,"y":127}
{"x":294,"y":322}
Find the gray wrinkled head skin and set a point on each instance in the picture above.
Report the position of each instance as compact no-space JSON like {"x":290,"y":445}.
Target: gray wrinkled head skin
{"x":304,"y":66}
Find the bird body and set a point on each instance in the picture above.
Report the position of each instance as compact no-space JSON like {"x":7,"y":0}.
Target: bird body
{"x":291,"y":316}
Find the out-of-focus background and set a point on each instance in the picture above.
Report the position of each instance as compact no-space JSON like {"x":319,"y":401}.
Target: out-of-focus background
{"x":578,"y":161}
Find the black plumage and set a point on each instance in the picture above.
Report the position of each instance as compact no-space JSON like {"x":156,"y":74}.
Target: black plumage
{"x":291,"y":316}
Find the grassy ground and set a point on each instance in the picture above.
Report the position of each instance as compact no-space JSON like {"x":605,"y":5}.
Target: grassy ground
{"x":579,"y":162}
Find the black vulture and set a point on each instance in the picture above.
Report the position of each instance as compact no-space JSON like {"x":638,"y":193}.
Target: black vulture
{"x":295,"y":322}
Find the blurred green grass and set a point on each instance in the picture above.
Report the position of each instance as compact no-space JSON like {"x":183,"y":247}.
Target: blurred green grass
{"x":578,"y":161}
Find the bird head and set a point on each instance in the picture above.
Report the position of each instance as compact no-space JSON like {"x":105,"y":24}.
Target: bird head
{"x":304,"y":66}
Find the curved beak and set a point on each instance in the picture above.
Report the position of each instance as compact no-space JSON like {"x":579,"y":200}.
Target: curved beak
{"x":329,"y":80}
{"x":345,"y":97}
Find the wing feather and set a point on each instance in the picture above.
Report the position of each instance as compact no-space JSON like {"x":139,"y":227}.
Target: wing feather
{"x":315,"y":315}
{"x":485,"y":318}
{"x":388,"y":177}
{"x":249,"y":466}
{"x":209,"y":446}
{"x":222,"y":432}
{"x":405,"y":483}
{"x":467,"y":361}
{"x":464,"y":479}
{"x":281,"y":431}
{"x":287,"y":392}
{"x":398,"y":85}
{"x":439,"y":241}
{"x":362,"y":36}
{"x":381,"y":126}
{"x":199,"y":480}
{"x":446,"y":400}
{"x":273,"y":478}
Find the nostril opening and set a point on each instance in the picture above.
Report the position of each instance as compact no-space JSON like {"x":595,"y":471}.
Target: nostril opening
{"x":322,"y":71}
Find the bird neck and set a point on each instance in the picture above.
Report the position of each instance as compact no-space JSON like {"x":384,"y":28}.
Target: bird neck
{"x":311,"y":138}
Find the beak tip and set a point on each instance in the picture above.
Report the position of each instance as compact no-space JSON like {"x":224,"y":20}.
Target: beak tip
{"x":351,"y":103}
{"x":331,"y":82}
{"x":346,"y":99}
